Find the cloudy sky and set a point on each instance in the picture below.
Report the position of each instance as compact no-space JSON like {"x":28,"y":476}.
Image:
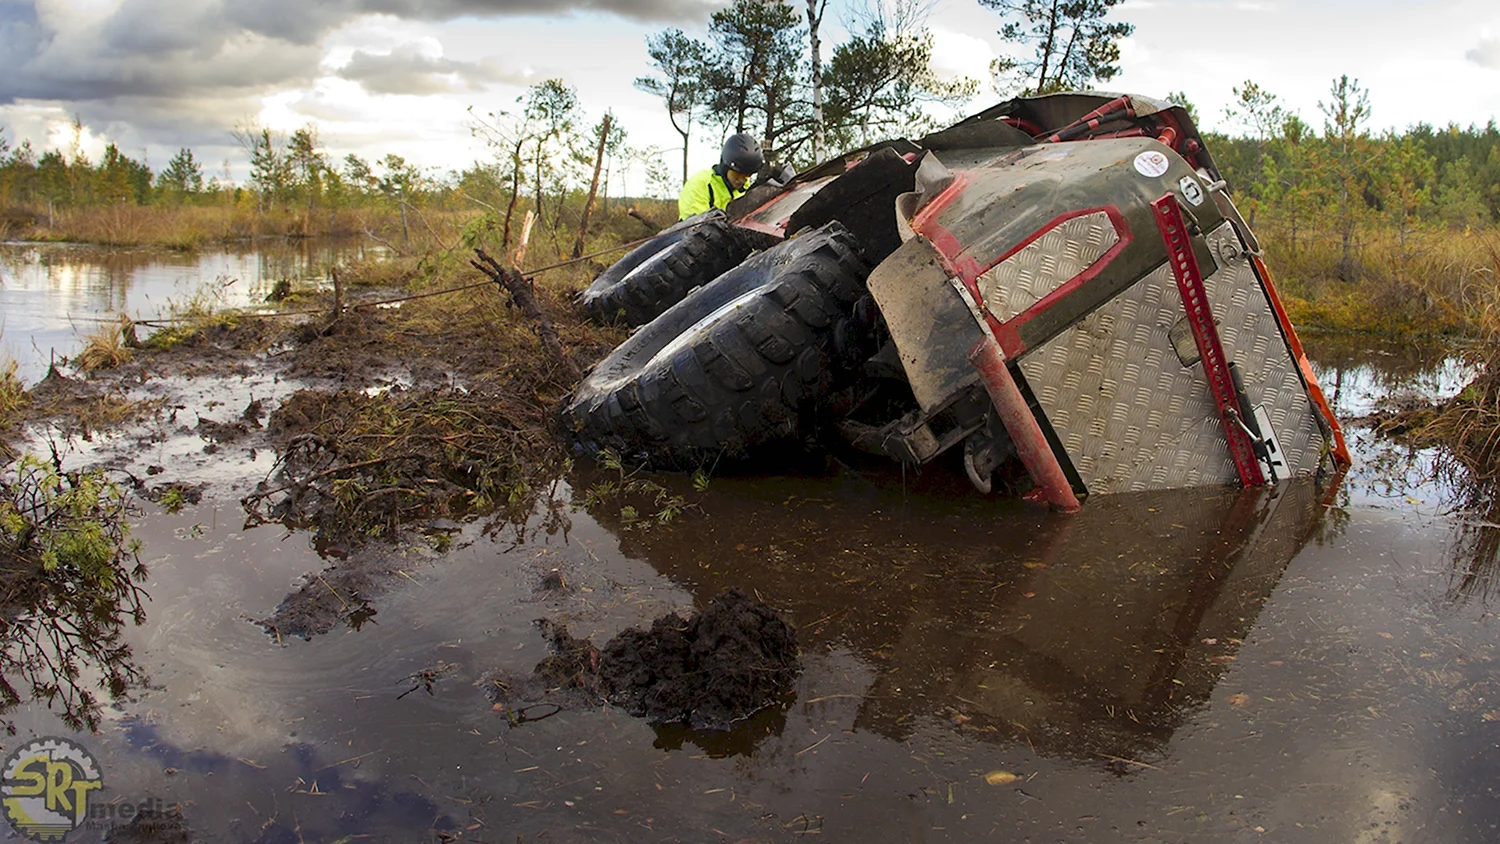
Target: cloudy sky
{"x":379,"y":76}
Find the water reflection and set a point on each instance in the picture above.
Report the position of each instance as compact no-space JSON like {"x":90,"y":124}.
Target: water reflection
{"x":1359,"y":374}
{"x":300,"y":794}
{"x":1365,"y":376}
{"x":1084,"y":636}
{"x":49,"y":293}
{"x":71,"y":579}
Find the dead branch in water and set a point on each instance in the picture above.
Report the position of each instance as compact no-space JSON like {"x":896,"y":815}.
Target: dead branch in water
{"x":520,"y":292}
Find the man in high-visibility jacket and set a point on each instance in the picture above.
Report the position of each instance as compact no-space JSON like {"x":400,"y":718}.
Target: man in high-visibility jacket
{"x":729,"y":179}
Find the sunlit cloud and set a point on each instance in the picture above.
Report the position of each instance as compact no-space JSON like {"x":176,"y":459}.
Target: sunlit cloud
{"x":956,"y":55}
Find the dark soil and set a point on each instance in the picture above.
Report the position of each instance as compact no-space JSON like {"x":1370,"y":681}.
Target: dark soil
{"x":341,"y":593}
{"x":717,"y":667}
{"x":355,"y":466}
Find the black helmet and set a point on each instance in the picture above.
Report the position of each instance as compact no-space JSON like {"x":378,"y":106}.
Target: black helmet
{"x":742,"y":154}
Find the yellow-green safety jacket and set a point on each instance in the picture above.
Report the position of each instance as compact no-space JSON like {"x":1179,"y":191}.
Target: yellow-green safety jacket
{"x":704,"y":190}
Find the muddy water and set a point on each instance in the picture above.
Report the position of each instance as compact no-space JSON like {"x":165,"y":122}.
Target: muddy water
{"x":1310,"y":664}
{"x":51,"y":294}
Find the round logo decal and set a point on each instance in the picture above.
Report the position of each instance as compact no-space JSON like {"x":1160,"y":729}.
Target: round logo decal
{"x":1152,"y":163}
{"x":46,"y":786}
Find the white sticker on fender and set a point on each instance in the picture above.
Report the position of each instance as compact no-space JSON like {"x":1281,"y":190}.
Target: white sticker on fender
{"x":1191,"y":190}
{"x":1151,"y":163}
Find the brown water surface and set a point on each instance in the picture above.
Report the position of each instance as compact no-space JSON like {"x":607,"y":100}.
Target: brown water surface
{"x":1311,"y":663}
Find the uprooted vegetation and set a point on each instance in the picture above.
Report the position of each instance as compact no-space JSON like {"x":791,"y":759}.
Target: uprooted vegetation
{"x":70,"y":577}
{"x":1464,"y":432}
{"x":470,"y":432}
{"x":354,"y":464}
{"x":1467,"y":425}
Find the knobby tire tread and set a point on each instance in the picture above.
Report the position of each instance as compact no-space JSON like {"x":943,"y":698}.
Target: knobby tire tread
{"x":748,"y":378}
{"x":635,"y":292}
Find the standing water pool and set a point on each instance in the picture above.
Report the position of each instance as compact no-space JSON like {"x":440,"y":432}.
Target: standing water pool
{"x":1311,"y":663}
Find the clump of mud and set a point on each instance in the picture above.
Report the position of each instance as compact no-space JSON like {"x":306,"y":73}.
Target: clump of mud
{"x":710,"y":670}
{"x":340,"y":593}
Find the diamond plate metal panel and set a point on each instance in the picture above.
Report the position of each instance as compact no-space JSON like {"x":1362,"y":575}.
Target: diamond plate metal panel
{"x":1015,"y":284}
{"x":1133,"y":418}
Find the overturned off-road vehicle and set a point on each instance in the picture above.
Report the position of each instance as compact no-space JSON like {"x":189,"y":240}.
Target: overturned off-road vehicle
{"x":1059,"y":289}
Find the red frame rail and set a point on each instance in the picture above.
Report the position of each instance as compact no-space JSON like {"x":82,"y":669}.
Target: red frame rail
{"x":1189,"y":277}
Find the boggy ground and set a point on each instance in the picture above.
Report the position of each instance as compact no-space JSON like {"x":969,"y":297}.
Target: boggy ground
{"x":388,"y":423}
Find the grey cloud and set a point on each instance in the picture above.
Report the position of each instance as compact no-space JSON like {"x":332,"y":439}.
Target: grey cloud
{"x":407,"y":71}
{"x":650,"y":11}
{"x":198,"y":123}
{"x":175,"y":48}
{"x":167,"y":49}
{"x":1487,"y":54}
{"x":306,"y":20}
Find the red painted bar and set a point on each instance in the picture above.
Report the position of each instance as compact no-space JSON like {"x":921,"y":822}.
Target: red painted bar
{"x":1031,"y":446}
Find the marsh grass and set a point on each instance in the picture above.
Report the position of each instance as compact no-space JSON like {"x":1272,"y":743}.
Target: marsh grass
{"x":189,"y":227}
{"x":13,"y":397}
{"x":187,"y":318}
{"x":1430,"y":282}
{"x":107,"y":346}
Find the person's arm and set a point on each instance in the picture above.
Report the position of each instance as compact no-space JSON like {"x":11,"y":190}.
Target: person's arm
{"x":694,"y":197}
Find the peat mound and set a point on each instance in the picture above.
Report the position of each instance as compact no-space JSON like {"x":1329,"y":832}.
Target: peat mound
{"x":714,"y":668}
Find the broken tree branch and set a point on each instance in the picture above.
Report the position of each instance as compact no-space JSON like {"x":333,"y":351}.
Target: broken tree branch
{"x":512,"y":282}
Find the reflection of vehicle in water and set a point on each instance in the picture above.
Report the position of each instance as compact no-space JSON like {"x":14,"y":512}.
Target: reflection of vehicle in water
{"x":1070,"y":318}
{"x":1084,"y":634}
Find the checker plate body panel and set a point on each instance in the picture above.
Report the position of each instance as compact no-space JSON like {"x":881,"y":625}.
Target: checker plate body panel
{"x":1018,"y":282}
{"x":1133,"y":418}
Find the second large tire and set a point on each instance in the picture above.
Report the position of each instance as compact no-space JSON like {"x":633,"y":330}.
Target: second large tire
{"x":736,"y":364}
{"x":657,"y":274}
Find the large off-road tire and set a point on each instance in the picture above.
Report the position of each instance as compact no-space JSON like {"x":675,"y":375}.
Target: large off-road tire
{"x":657,"y":274}
{"x":735,"y":365}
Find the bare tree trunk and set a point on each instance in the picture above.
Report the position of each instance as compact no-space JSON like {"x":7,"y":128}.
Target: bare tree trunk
{"x":588,"y":205}
{"x":538,"y":197}
{"x":1052,"y":25}
{"x":515,"y":190}
{"x":814,"y":20}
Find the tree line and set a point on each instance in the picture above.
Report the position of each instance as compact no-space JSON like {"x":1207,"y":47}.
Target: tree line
{"x":763,"y":69}
{"x":286,"y":171}
{"x":1343,"y":178}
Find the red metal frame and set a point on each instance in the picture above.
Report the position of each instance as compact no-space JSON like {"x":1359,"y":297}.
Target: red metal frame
{"x":1339,"y":448}
{"x":967,"y":269}
{"x":1009,"y":332}
{"x":1210,"y":350}
{"x":1031,"y":444}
